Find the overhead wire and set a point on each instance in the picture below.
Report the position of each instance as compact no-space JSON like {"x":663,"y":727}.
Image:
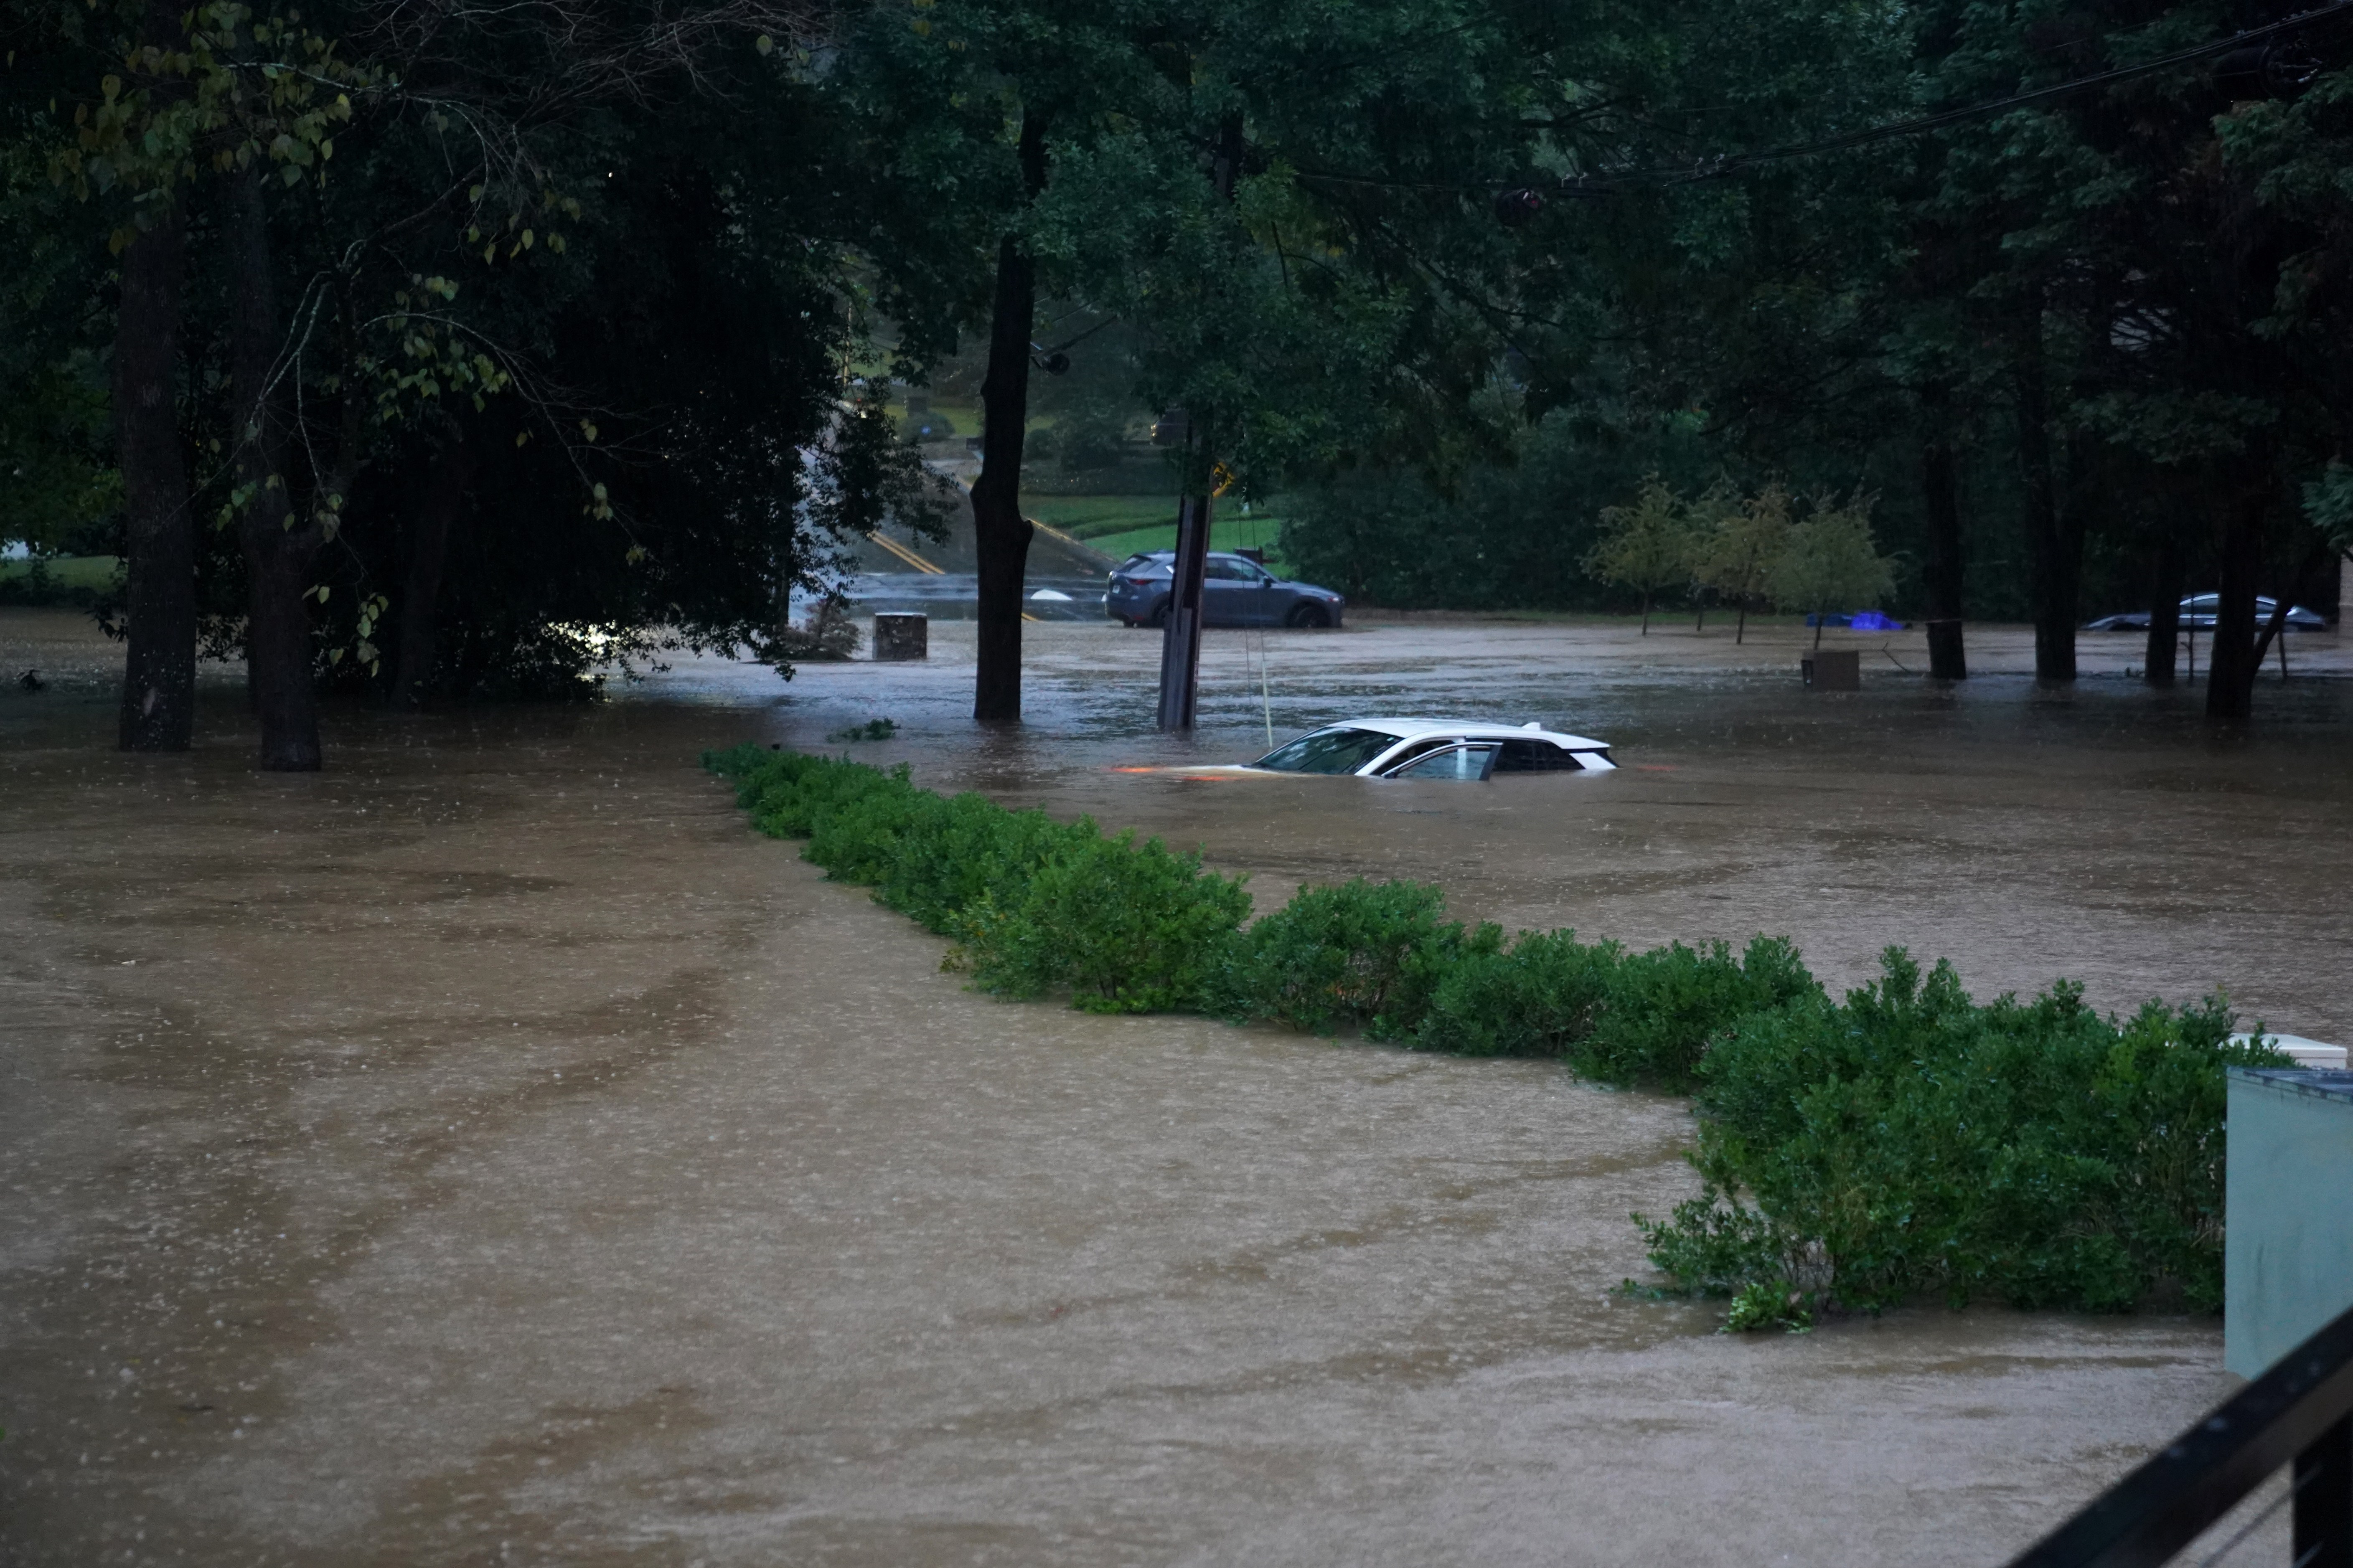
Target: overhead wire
{"x":1960,"y":114}
{"x":1722,"y":164}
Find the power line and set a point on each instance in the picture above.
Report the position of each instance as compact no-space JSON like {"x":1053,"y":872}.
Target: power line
{"x":1723,"y":164}
{"x":1518,"y":202}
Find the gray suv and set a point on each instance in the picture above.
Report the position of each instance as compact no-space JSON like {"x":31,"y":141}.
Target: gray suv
{"x":1236,"y":591}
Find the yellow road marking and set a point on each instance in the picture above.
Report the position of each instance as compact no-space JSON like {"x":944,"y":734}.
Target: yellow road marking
{"x":907,"y":555}
{"x":1058,"y":533}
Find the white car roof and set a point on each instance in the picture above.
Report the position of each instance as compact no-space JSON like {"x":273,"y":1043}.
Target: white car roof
{"x":1470,"y":729}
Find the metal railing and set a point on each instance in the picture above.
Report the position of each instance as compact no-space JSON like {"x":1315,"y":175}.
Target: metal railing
{"x":2300,"y":1412}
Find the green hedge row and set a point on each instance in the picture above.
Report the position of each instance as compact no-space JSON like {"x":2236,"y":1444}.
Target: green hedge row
{"x":1857,"y":1152}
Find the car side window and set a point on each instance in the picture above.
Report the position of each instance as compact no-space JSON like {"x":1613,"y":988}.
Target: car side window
{"x":1453,"y":762}
{"x":1535,"y":757}
{"x":1419,"y":749}
{"x":1231,"y":572}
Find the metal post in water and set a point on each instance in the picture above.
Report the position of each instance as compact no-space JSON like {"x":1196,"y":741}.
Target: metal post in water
{"x":1180,"y":637}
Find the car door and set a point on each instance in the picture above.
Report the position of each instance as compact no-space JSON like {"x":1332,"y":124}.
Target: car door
{"x":1230,"y":596}
{"x":1266,"y":601}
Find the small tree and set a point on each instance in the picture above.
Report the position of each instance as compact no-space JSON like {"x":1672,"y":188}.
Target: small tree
{"x":1646,"y":546}
{"x":1746,"y":537}
{"x":1831,"y":560}
{"x":1709,"y":513}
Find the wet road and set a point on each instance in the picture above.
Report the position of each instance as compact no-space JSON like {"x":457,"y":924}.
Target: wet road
{"x":490,"y":1152}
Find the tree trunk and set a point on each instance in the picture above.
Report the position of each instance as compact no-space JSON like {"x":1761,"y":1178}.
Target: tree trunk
{"x":2164,"y":609}
{"x":2310,"y":568}
{"x":429,"y":551}
{"x":278,"y":547}
{"x":1646,"y":612}
{"x":787,"y":568}
{"x":1740,"y":632}
{"x":1940,"y":490}
{"x":1000,"y":533}
{"x":2230,"y":661}
{"x":2058,"y":560}
{"x":159,"y":667}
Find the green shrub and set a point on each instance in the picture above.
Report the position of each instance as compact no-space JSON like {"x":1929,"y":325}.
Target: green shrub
{"x":1906,"y":1141}
{"x":1768,"y":1304}
{"x":859,"y":835}
{"x":787,"y":792}
{"x":1539,"y":998}
{"x":1912,"y":1142}
{"x":972,"y":850}
{"x":1367,"y":953}
{"x":1125,"y":928}
{"x":1665,"y":1005}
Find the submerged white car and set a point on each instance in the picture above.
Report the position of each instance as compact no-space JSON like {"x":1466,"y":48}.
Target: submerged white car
{"x":1435,"y":749}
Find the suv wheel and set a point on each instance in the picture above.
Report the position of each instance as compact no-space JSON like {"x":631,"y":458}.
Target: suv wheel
{"x":1308,"y":614}
{"x":1159,"y":615}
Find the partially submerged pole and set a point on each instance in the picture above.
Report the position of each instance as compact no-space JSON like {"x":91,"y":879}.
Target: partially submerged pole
{"x":1180,"y":640}
{"x":1180,"y":634}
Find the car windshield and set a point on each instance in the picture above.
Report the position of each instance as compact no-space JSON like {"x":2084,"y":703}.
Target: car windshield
{"x":1338,"y":750}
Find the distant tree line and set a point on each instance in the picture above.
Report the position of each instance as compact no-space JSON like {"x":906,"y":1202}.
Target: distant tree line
{"x":2089,"y":350}
{"x":445,"y":348}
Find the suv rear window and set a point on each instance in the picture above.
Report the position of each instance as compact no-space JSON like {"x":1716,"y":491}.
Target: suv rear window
{"x":1536,"y":757}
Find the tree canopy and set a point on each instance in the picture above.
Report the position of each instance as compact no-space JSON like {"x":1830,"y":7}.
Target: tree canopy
{"x":433,"y":350}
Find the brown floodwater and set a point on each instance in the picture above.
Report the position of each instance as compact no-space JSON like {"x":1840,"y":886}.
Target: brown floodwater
{"x":488,"y":1151}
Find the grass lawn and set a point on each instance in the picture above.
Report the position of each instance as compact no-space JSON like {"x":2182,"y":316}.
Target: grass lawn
{"x":1225,"y":533}
{"x":65,"y":573}
{"x":964,"y":418}
{"x":1091,"y":517}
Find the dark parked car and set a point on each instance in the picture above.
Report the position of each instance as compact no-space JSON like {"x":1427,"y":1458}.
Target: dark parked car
{"x":2198,"y":615}
{"x":1237,"y":592}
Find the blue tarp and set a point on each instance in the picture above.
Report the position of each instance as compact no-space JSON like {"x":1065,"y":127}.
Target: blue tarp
{"x":1861,"y":621}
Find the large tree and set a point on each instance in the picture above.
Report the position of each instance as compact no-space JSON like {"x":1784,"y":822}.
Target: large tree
{"x":995,"y":131}
{"x":576,"y":256}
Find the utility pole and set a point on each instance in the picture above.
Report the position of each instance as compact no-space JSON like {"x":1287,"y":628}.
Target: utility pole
{"x":1180,"y":638}
{"x":1180,"y":635}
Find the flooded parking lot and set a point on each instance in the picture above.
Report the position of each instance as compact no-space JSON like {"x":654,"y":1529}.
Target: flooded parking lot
{"x":490,"y":1150}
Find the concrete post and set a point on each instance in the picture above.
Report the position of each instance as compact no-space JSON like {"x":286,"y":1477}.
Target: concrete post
{"x":2287,"y":1233}
{"x":900,"y":635}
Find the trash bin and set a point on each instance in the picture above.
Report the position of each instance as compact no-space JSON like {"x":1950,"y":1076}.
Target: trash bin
{"x":1833,"y":670}
{"x":899,"y":635}
{"x":2287,"y":1234}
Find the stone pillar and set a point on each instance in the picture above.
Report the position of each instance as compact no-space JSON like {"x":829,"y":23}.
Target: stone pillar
{"x":902,"y":637}
{"x":1833,"y":670}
